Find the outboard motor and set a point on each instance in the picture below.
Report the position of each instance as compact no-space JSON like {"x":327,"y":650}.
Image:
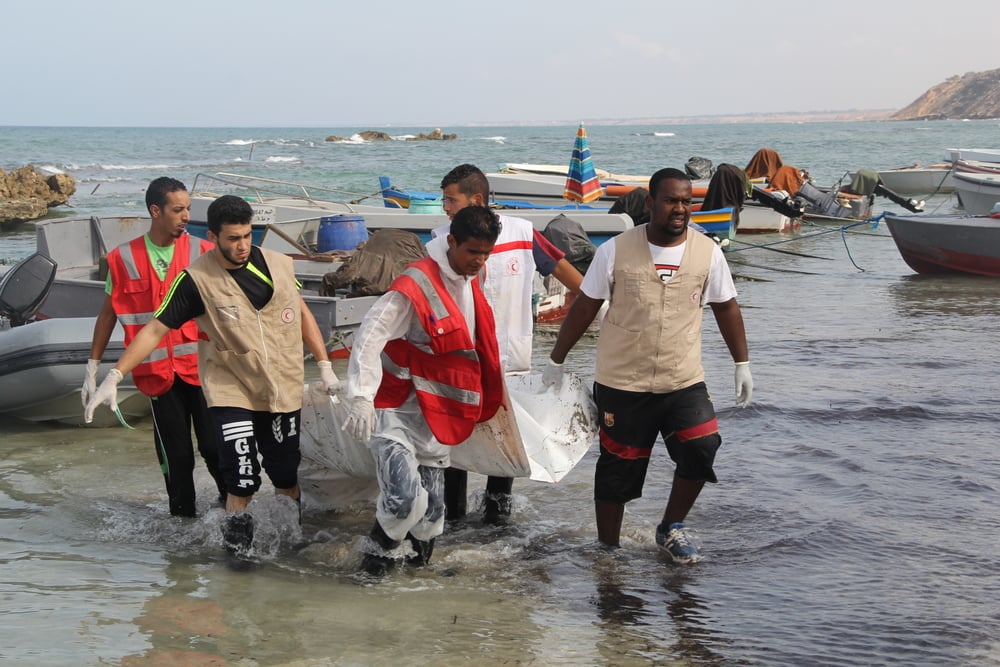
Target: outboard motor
{"x":23,"y":289}
{"x":823,"y":203}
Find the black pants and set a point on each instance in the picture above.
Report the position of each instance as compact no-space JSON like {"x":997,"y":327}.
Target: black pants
{"x":456,"y":482}
{"x":174,"y":413}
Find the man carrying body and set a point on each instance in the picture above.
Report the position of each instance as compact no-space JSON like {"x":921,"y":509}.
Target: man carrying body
{"x":246,"y":302}
{"x":508,"y":283}
{"x":139,"y":273}
{"x":649,"y":378}
{"x":426,"y":355}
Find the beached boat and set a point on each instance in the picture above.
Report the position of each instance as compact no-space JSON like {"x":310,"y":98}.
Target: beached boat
{"x":947,"y":243}
{"x":79,"y":247}
{"x":978,"y":193}
{"x":918,"y":180}
{"x":977,"y":167}
{"x":43,"y":362}
{"x":302,"y":214}
{"x":275,"y":201}
{"x":980,"y":154}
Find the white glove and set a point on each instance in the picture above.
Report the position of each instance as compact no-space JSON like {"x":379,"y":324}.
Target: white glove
{"x":89,"y":381}
{"x":360,"y":418}
{"x":106,"y":393}
{"x":744,"y":383}
{"x":552,"y":376}
{"x":328,"y":379}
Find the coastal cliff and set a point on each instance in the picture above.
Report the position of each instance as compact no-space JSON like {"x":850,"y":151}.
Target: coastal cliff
{"x":975,"y":95}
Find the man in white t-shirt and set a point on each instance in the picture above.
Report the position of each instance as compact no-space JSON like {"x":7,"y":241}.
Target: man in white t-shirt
{"x":508,"y":280}
{"x":649,"y":381}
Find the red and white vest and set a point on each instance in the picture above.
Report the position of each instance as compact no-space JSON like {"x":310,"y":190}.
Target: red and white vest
{"x":458,"y":382}
{"x":137,"y":292}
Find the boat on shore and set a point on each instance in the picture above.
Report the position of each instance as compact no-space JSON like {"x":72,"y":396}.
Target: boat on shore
{"x":979,"y":154}
{"x":947,"y":243}
{"x":977,"y":167}
{"x":79,"y":246}
{"x":978,"y":193}
{"x":918,"y":180}
{"x":43,"y":361}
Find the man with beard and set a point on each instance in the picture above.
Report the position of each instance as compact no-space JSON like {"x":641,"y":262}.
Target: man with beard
{"x":139,"y":273}
{"x":649,"y":380}
{"x":254,"y":324}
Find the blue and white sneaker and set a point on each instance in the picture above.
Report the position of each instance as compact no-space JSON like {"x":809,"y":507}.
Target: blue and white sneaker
{"x":677,"y":545}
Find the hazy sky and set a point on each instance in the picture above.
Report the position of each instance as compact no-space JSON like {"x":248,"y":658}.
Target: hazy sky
{"x":441,"y":63}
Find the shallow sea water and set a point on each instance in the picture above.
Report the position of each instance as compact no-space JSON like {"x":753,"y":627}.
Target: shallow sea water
{"x":855,"y":520}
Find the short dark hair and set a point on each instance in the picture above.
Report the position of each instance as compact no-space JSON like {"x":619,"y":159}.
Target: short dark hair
{"x":475,"y":222}
{"x":159,"y":188}
{"x":470,"y":179}
{"x":668,"y":173}
{"x":228,"y":210}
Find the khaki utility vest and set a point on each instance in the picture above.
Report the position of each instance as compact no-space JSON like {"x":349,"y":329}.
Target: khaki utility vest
{"x":650,"y":340}
{"x":252,"y":359}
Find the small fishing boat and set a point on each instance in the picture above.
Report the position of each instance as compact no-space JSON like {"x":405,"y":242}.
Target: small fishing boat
{"x":43,"y":362}
{"x":80,"y":246}
{"x":918,"y":180}
{"x":947,"y":243}
{"x":978,"y":193}
{"x":980,"y":154}
{"x":977,"y":167}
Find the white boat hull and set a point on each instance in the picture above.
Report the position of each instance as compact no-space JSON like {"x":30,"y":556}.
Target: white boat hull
{"x":978,"y":193}
{"x":42,"y":366}
{"x":980,"y":154}
{"x":918,"y":180}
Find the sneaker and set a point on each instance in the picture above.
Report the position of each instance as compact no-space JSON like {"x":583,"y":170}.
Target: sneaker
{"x":676,"y":543}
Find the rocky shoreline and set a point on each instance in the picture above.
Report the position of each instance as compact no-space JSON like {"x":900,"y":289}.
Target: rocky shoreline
{"x":375,"y":135}
{"x":27,"y":194}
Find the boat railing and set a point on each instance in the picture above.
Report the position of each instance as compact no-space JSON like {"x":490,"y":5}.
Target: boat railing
{"x":263,"y":189}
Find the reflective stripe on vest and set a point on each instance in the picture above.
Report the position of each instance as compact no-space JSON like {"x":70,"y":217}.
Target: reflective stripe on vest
{"x":136,"y":288}
{"x":448,"y":373}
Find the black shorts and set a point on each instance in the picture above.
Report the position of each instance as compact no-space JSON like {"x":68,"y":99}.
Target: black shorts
{"x":249,"y":439}
{"x":630,"y":423}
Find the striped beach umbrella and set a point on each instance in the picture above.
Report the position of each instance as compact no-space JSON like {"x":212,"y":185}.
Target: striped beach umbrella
{"x":582,"y":183}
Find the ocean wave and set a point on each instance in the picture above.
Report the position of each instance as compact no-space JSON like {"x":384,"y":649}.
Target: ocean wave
{"x":496,"y":140}
{"x":281,"y":158}
{"x":353,"y":139}
{"x":119,"y":167}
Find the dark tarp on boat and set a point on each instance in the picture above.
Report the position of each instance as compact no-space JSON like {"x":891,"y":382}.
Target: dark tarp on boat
{"x":376,"y":263}
{"x":729,"y":187}
{"x":788,"y":178}
{"x":764,"y":163}
{"x":699,"y":168}
{"x":634,"y":204}
{"x":568,"y":235}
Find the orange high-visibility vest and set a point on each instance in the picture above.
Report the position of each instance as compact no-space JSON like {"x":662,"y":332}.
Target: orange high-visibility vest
{"x":136,"y":293}
{"x":458,"y":382}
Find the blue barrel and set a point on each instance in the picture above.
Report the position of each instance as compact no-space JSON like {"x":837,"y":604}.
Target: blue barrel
{"x":426,"y":206}
{"x":341,"y":232}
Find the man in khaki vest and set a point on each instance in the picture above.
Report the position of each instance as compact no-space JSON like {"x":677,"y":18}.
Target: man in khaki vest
{"x":649,"y":380}
{"x":254,"y":322}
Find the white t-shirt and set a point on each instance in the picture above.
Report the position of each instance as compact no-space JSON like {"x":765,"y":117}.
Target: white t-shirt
{"x":598,"y":282}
